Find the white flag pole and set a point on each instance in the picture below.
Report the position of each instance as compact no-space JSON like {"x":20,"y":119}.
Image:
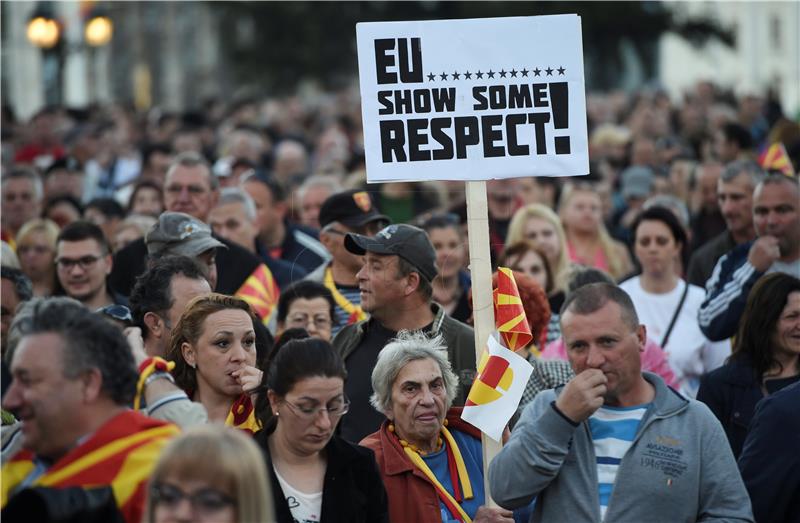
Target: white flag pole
{"x":480,"y":265}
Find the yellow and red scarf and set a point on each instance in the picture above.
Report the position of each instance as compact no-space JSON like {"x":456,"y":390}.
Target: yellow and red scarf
{"x":355,"y":312}
{"x":459,"y":477}
{"x":243,"y":415}
{"x":121,"y":453}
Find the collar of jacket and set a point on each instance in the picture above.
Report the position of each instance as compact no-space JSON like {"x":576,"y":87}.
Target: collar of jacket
{"x":438,"y":320}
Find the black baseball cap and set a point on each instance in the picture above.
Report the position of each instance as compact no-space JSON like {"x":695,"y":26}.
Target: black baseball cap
{"x":406,"y":241}
{"x":350,"y":208}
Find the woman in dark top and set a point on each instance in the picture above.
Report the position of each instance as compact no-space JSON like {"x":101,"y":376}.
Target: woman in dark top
{"x":765,"y":359}
{"x":316,"y":476}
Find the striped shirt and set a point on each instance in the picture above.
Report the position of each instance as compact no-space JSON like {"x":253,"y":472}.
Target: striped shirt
{"x":613,"y":431}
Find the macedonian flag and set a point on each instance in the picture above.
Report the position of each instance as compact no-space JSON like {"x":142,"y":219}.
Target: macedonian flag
{"x":509,"y":315}
{"x":775,"y":158}
{"x":260,"y":290}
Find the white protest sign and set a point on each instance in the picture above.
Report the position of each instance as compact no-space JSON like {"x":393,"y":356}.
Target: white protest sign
{"x":473,"y":99}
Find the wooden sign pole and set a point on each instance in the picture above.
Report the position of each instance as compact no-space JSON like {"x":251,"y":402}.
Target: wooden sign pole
{"x":480,"y":265}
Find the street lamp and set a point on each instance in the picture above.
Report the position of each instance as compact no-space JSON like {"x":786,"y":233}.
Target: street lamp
{"x":99,"y":30}
{"x":43,"y":31}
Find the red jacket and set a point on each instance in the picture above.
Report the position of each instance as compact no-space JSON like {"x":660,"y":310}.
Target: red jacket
{"x":412,"y":497}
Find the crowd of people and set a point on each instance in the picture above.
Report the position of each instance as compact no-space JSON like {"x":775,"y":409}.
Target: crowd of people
{"x":210,"y":316}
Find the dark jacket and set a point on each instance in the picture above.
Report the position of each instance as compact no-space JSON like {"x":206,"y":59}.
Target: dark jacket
{"x":770,"y":458}
{"x":352,"y":491}
{"x":234,"y":266}
{"x":732,"y":392}
{"x":459,"y":338}
{"x":301,"y":247}
{"x":703,"y":260}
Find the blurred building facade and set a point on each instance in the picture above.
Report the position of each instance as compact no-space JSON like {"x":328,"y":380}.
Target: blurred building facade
{"x":766,"y":54}
{"x":169,"y":54}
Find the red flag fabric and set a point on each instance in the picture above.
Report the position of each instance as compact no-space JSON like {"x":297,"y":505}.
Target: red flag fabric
{"x":509,"y":315}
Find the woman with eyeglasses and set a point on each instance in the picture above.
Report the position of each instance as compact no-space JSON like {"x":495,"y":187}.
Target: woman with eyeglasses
{"x":307,"y":305}
{"x":228,"y":485}
{"x":451,"y":286}
{"x":316,"y":475}
{"x":213,"y":346}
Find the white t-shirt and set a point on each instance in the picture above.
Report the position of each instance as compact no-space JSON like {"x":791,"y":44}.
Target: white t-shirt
{"x":305,"y":508}
{"x":689,"y":352}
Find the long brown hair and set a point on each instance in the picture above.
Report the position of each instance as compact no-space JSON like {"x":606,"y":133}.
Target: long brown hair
{"x":765,"y":304}
{"x":190,"y":328}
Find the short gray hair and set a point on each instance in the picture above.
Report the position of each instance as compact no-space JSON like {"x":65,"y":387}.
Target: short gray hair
{"x":405,"y":348}
{"x":327,"y":181}
{"x":237,"y":195}
{"x":29,"y":173}
{"x":743,"y":167}
{"x":193,"y":159}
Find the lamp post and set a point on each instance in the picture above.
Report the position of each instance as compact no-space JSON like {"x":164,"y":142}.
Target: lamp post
{"x":46,"y":32}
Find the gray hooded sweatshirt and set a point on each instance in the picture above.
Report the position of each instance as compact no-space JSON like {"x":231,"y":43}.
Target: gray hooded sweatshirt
{"x":678,"y":468}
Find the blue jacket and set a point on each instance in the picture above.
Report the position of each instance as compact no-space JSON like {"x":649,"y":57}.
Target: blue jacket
{"x":770,"y":459}
{"x":726,"y":294}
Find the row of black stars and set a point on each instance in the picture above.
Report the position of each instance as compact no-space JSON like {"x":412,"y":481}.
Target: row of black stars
{"x":490,"y":74}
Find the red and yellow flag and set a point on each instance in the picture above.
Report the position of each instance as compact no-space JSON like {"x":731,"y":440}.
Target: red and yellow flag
{"x":776,"y":158}
{"x":509,"y":315}
{"x":260,"y":290}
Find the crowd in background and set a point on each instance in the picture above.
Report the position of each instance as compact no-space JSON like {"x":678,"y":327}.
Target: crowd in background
{"x":268,"y":198}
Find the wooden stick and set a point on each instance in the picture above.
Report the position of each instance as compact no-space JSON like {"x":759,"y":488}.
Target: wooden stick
{"x":480,"y":265}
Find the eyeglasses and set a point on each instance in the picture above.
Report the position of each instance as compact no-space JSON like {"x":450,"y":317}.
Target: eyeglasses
{"x":117,"y":312}
{"x":302,"y":320}
{"x":204,"y":501}
{"x":335,"y":409}
{"x":85,"y":263}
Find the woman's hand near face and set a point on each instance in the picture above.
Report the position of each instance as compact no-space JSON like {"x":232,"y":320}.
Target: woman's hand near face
{"x":249,"y":377}
{"x":493,"y":515}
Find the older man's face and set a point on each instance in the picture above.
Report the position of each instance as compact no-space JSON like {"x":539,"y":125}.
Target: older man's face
{"x":230,"y":221}
{"x":380,"y":284}
{"x":418,"y":402}
{"x":20,"y":202}
{"x":604,"y":340}
{"x":188,"y":190}
{"x":43,"y":398}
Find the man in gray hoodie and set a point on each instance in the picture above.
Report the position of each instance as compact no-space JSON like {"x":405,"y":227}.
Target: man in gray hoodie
{"x":614,"y":443}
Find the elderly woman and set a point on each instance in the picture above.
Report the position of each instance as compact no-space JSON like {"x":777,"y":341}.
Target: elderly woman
{"x":431,"y":461}
{"x":214,"y":350}
{"x":36,"y":248}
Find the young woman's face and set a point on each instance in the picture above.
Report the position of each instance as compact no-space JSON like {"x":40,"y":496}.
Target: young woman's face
{"x":36,"y":255}
{"x":309,"y":412}
{"x":179,"y":501}
{"x":227,"y":344}
{"x":532,"y":265}
{"x":148,"y":202}
{"x":655,"y":248}
{"x":583,"y":212}
{"x":449,"y":248}
{"x":543,"y":235}
{"x":786,"y":336}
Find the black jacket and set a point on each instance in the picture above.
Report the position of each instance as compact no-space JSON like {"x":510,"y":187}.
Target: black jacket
{"x":732,"y":392}
{"x":352,"y":491}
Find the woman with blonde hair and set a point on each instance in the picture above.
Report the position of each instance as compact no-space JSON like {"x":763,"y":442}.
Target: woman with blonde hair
{"x":210,"y":473}
{"x":213,"y":346}
{"x":36,"y":249}
{"x":588,"y":242}
{"x":539,"y":225}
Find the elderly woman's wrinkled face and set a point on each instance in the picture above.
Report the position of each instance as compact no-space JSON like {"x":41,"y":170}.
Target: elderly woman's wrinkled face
{"x":227,"y":344}
{"x":418,"y":402}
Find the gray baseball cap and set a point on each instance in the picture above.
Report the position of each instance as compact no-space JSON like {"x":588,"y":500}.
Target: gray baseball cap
{"x":405,"y":241}
{"x":177,"y":233}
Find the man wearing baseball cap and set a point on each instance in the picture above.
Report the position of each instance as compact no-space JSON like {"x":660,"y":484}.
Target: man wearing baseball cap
{"x":395,"y":284}
{"x":178,"y":234}
{"x":343,"y":213}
